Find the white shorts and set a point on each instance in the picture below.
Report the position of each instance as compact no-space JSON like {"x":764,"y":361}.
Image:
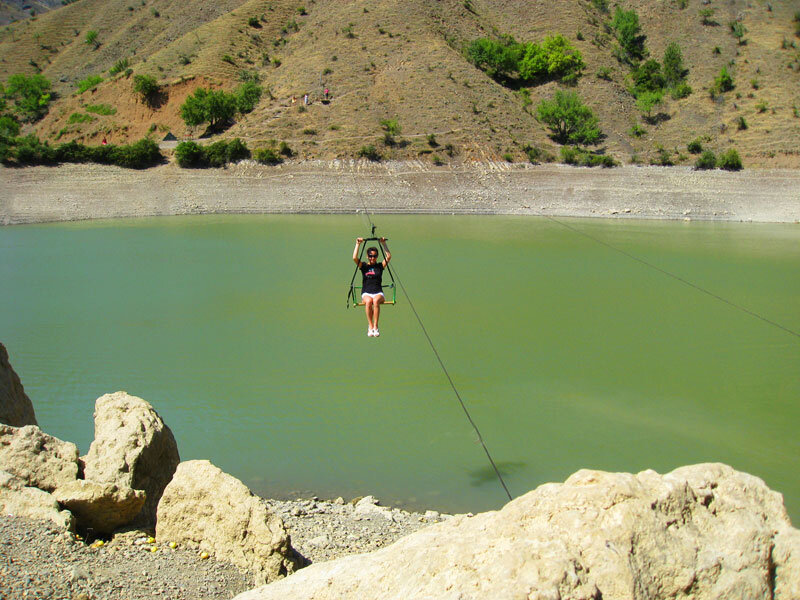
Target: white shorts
{"x":373,"y":296}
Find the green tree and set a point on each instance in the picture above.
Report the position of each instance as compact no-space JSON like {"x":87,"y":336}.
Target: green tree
{"x":569,"y":120}
{"x":730,"y":161}
{"x":554,"y":58}
{"x":707,"y":160}
{"x":9,"y":127}
{"x":647,"y":77}
{"x":674,"y":71}
{"x":647,"y":101}
{"x":147,"y":87}
{"x":627,"y":31}
{"x":208,"y":106}
{"x":247,"y":96}
{"x":30,"y":94}
{"x":498,"y":60}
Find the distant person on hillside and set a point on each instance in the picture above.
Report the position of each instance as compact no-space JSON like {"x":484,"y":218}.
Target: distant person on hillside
{"x":305,"y":100}
{"x":326,"y":93}
{"x":371,"y":283}
{"x":104,"y":142}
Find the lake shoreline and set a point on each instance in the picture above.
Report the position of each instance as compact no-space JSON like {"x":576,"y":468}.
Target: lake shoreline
{"x":74,"y":192}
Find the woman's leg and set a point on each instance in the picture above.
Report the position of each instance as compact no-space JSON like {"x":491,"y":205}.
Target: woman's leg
{"x":369,"y":308}
{"x":376,"y":310}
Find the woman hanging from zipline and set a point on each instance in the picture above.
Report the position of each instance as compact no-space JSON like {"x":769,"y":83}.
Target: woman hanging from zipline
{"x":372,"y":274}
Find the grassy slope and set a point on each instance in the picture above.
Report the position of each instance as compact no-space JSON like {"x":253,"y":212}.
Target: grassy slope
{"x":403,"y":61}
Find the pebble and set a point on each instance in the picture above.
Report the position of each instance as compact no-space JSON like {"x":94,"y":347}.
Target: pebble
{"x":127,"y":566}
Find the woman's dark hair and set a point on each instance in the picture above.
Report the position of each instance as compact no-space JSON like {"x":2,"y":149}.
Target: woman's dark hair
{"x":372,"y":249}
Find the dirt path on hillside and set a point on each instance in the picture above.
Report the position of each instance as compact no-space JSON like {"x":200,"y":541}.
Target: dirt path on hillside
{"x":76,"y":192}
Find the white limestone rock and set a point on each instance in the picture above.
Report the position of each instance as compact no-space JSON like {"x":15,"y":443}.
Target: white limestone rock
{"x":16,"y":408}
{"x":702,"y":532}
{"x":23,"y":501}
{"x":101,"y":507}
{"x":38,"y":459}
{"x":132,"y":448}
{"x":212,"y":511}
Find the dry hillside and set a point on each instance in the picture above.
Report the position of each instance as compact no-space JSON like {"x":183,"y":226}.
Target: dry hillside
{"x":404,"y":59}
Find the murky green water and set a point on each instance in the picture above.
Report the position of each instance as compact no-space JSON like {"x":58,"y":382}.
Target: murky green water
{"x":568,"y":353}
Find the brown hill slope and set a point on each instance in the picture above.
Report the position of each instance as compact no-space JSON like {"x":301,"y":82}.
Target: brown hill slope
{"x":404,"y":59}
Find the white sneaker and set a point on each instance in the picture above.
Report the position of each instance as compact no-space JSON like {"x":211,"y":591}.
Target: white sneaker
{"x":376,"y":333}
{"x":370,"y":332}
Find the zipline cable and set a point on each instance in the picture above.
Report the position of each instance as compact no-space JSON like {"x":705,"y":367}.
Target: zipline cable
{"x":446,"y":373}
{"x":676,"y":277}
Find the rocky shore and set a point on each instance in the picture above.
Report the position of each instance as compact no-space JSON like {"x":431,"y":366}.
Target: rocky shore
{"x":130,"y":520}
{"x":74,"y":192}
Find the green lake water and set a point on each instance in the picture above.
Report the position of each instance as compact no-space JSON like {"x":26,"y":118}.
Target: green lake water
{"x":569,"y":353}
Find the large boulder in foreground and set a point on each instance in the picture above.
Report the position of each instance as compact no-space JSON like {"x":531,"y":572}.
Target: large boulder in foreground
{"x":21,"y":500}
{"x":700,"y":532}
{"x":132,"y":448}
{"x":208,"y":509}
{"x":101,"y":507}
{"x":38,"y":459}
{"x":16,"y":408}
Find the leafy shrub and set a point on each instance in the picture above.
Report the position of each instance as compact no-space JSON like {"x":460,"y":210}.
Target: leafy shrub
{"x":89,"y":83}
{"x":432,"y":140}
{"x":79,"y":118}
{"x":738,"y":30}
{"x":573,"y":155}
{"x":9,"y":127}
{"x":662,"y":158}
{"x":695,"y":146}
{"x":647,"y":77}
{"x":285,"y":150}
{"x":369,"y":152}
{"x":569,"y":120}
{"x":147,"y":87}
{"x":631,"y":43}
{"x":101,"y":109}
{"x":392,"y":128}
{"x":707,"y":160}
{"x":682,"y":90}
{"x":741,"y":124}
{"x":647,"y":101}
{"x":498,"y":60}
{"x":119,"y":66}
{"x":638,"y":131}
{"x":91,"y":39}
{"x":762,"y":107}
{"x":207,"y":106}
{"x":706,"y":15}
{"x":29,"y":150}
{"x":139,"y":155}
{"x":555,"y":58}
{"x":674,"y":71}
{"x":247,"y":96}
{"x":267,"y":156}
{"x":536,"y":155}
{"x":722,"y":83}
{"x":729,"y":160}
{"x":604,"y":73}
{"x":30,"y":94}
{"x":437,"y":160}
{"x":254,"y":22}
{"x":508,"y":157}
{"x":190,"y":154}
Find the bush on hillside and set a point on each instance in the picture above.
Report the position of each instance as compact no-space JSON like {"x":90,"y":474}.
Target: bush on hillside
{"x":569,"y":120}
{"x":30,"y":95}
{"x":147,"y":87}
{"x":730,"y":160}
{"x":573,"y":155}
{"x":190,"y":155}
{"x":722,"y":83}
{"x":207,"y":106}
{"x":707,"y":160}
{"x":218,"y":154}
{"x":554,"y":58}
{"x":369,"y":152}
{"x":247,"y":96}
{"x":695,"y":146}
{"x":89,"y":83}
{"x":9,"y":127}
{"x":626,"y":28}
{"x":267,"y":156}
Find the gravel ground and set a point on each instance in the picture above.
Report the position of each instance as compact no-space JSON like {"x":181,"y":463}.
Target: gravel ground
{"x":40,"y":561}
{"x":75,"y":192}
